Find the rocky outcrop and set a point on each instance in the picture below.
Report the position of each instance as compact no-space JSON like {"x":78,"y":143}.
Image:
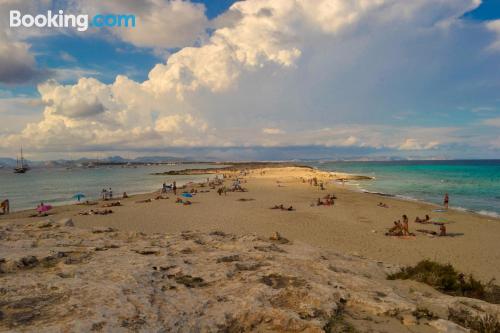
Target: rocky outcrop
{"x":56,"y":277}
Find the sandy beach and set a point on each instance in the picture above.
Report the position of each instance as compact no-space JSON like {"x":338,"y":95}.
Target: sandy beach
{"x":354,"y":225}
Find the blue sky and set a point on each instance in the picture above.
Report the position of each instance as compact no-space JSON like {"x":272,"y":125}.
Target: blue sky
{"x":424,"y":85}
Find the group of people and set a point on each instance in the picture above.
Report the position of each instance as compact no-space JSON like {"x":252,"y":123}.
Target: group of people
{"x":107,"y":194}
{"x":328,"y":200}
{"x":166,"y":188}
{"x":282,"y":207}
{"x":401,"y":228}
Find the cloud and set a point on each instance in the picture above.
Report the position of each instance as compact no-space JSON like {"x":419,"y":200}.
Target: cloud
{"x":160,"y":24}
{"x":66,"y":56}
{"x":494,"y":122}
{"x":323,"y":73}
{"x":413,"y":144}
{"x":494,"y":26}
{"x":17,"y":64}
{"x":272,"y":131}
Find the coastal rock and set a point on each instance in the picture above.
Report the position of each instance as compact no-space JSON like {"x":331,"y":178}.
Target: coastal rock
{"x":105,"y":280}
{"x":66,"y":222}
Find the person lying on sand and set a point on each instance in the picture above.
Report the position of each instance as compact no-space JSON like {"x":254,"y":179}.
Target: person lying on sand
{"x":160,"y":197}
{"x":88,"y":203}
{"x":424,"y":220}
{"x":381,"y":204}
{"x":186,"y":202}
{"x":178,"y":200}
{"x":112,"y":204}
{"x":146,"y":200}
{"x":97,"y":212}
{"x":282,"y":207}
{"x":426,"y":231}
{"x":328,"y":201}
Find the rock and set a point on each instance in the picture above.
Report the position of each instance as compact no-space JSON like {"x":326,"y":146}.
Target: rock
{"x":223,"y":283}
{"x":100,"y":230}
{"x":446,"y":326}
{"x":46,"y":223}
{"x":408,"y":320}
{"x":66,"y":222}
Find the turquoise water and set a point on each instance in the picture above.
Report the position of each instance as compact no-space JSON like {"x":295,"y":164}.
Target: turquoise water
{"x":56,"y":186}
{"x":472,"y":185}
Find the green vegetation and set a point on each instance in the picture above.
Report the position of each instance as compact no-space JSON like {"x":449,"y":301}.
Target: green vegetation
{"x":487,"y":323}
{"x":446,"y":279}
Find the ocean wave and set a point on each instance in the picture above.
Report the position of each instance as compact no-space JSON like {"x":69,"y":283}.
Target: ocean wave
{"x":489,"y":213}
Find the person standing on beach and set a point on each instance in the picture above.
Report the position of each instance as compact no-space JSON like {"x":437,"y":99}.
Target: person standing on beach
{"x":446,"y":200}
{"x":104,"y":194}
{"x":406,"y":230}
{"x":174,"y":187}
{"x":5,"y":206}
{"x":110,"y":194}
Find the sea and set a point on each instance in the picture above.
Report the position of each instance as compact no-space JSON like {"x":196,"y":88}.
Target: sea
{"x":473,"y":185}
{"x":57,"y":185}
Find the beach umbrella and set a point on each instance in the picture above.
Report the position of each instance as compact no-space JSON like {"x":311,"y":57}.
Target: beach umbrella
{"x":439,"y":220}
{"x":43,"y":208}
{"x":187,"y":195}
{"x":78,"y":196}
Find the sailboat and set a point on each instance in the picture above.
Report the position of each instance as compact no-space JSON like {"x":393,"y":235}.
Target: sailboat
{"x":21,"y":165}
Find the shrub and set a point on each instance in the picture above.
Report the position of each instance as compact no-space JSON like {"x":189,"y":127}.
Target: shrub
{"x":446,"y":279}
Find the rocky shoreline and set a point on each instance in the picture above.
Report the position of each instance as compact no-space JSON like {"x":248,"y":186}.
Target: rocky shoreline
{"x":57,"y":277}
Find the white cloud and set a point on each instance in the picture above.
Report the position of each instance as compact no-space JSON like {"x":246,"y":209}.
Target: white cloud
{"x":495,"y":27}
{"x":413,"y":144}
{"x":326,"y":71}
{"x":160,"y":24}
{"x":495,"y":122}
{"x":272,"y":131}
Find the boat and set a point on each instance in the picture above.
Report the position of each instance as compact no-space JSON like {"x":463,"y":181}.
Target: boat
{"x":21,"y":165}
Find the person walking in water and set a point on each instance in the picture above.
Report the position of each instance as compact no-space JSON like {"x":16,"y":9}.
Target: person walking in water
{"x":110,"y":192}
{"x":5,"y":206}
{"x":446,"y":200}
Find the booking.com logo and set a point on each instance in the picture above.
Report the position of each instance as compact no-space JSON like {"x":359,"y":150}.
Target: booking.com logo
{"x":60,"y":20}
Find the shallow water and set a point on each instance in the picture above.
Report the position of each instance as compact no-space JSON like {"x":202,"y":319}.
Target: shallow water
{"x":56,"y":186}
{"x":472,"y":185}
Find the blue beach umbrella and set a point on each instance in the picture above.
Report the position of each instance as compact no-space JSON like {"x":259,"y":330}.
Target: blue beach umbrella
{"x":78,"y":196}
{"x":186,"y":195}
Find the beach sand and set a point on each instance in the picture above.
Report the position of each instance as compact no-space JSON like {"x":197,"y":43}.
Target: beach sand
{"x":354,"y":225}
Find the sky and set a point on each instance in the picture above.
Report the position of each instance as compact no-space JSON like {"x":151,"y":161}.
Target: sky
{"x":255,"y":79}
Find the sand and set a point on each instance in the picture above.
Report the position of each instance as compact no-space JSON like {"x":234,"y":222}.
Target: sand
{"x":354,"y":225}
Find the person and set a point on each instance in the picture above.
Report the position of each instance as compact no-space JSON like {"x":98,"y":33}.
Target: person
{"x":164,"y":188}
{"x":104,"y":194}
{"x":396,"y":230}
{"x":125,"y":195}
{"x":442,"y":230}
{"x":174,"y":187}
{"x":446,"y":200}
{"x":5,"y":206}
{"x":110,"y":194}
{"x":406,"y":231}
